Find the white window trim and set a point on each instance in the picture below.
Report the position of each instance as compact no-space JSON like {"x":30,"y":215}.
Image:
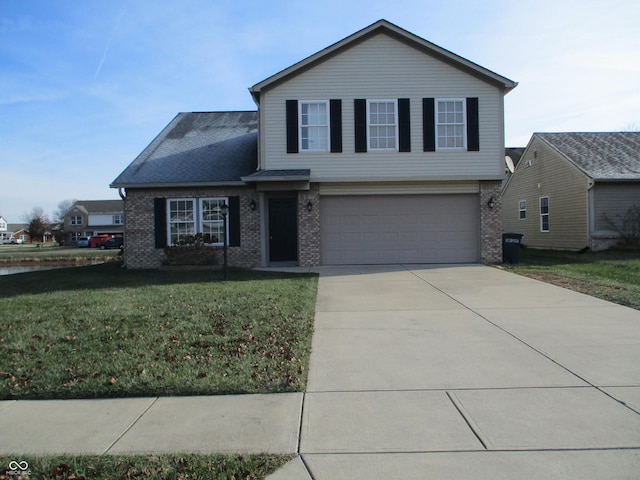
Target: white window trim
{"x":395,"y":106}
{"x":201,"y":220}
{"x":300,"y":127}
{"x":197,"y":217}
{"x":542,"y":215}
{"x":521,"y":209}
{"x":464,"y":124}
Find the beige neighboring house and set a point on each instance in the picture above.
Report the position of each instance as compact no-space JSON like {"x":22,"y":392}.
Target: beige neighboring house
{"x":87,"y":218}
{"x":573,"y":190}
{"x":381,"y":148}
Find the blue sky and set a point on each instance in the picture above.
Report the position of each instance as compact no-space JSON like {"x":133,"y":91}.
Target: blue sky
{"x":85,"y":85}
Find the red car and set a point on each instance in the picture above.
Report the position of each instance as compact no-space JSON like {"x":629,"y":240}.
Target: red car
{"x":94,"y":242}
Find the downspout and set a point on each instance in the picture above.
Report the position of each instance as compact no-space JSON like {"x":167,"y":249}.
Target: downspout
{"x":123,"y":196}
{"x":591,"y":215}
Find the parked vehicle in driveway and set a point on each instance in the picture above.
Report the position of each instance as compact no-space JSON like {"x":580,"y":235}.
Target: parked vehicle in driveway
{"x":96,"y":240}
{"x":115,"y":242}
{"x":83,"y":241}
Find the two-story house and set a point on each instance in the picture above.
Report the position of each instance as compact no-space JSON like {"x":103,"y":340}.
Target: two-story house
{"x":381,"y":148}
{"x":87,"y":218}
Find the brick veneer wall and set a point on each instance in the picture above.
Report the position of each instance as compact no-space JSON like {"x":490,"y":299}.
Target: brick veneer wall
{"x":140,"y":251}
{"x":490,"y":223}
{"x":309,"y":227}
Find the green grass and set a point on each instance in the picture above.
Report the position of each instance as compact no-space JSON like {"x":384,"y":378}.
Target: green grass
{"x":151,"y":467}
{"x":612,"y":275}
{"x":103,"y":331}
{"x":31,"y":253}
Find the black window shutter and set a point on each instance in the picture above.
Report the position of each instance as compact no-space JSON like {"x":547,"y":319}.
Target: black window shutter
{"x":292,"y":126}
{"x":473,"y":125}
{"x":429,"y":124}
{"x":234,"y":221}
{"x":404,"y":125}
{"x":160,"y":221}
{"x":335,"y":118}
{"x":360,"y":115}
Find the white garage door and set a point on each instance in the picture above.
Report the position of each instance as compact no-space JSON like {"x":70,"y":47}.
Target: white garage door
{"x":400,"y":229}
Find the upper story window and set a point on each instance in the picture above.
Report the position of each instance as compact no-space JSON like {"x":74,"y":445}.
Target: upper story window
{"x":544,"y":214}
{"x":382,"y":124}
{"x":314,"y":126}
{"x":75,"y":220}
{"x":522,"y":209}
{"x":188,"y":217}
{"x":118,"y":219}
{"x":450,"y":124}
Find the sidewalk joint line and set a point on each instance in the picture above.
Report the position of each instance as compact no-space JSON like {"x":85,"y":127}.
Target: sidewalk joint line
{"x":132,"y":425}
{"x":307,"y":468}
{"x":304,"y":396}
{"x":467,"y":421}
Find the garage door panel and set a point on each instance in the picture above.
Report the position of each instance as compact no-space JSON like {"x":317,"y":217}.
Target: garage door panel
{"x":400,"y":229}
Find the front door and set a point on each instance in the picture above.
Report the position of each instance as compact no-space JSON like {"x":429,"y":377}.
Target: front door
{"x":283,"y":229}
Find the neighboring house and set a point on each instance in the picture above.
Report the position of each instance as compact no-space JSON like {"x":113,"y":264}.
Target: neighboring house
{"x":5,"y":233}
{"x":572,"y":190}
{"x":19,"y":231}
{"x":381,"y":148}
{"x":93,"y":217}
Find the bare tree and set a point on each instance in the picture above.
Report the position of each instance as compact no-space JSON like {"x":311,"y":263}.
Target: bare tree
{"x":38,"y":224}
{"x":63,"y":207}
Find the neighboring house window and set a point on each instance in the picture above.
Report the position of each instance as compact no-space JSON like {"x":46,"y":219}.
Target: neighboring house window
{"x":522,"y":208}
{"x":118,"y":219}
{"x":314,"y":126}
{"x":382,"y":124}
{"x":76,"y":220}
{"x":544,"y":214}
{"x":450,"y":124}
{"x":187,"y":218}
{"x":75,"y":236}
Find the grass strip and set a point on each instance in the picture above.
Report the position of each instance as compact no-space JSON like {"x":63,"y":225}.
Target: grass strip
{"x":151,"y":467}
{"x":102,"y":331}
{"x":612,"y":275}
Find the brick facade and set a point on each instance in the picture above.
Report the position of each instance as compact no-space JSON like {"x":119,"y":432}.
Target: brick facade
{"x":140,"y":251}
{"x":309,"y":227}
{"x":490,"y":223}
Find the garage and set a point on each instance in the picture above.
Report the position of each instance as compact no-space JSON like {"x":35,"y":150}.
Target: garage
{"x":383,"y":229}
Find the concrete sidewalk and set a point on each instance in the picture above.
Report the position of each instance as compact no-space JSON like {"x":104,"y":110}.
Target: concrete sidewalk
{"x":416,"y":371}
{"x":468,"y":372}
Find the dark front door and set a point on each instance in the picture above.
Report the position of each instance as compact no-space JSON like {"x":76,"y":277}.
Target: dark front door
{"x":283,"y":230}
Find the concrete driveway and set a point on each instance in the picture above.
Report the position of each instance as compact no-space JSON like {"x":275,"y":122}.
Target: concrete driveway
{"x":467,"y":372}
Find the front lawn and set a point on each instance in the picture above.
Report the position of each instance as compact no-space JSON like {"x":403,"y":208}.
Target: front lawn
{"x":34,"y":253}
{"x":148,"y":467}
{"x":612,"y":275}
{"x":103,"y":331}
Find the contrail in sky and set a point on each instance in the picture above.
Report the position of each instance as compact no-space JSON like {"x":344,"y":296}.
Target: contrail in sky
{"x":109,"y":40}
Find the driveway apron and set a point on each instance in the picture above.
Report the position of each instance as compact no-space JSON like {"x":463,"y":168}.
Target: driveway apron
{"x":467,"y":372}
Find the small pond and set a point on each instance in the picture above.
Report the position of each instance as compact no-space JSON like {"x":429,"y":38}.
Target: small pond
{"x":28,"y":268}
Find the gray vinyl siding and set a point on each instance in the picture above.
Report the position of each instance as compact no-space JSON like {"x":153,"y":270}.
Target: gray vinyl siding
{"x":384,"y":68}
{"x":550,"y":175}
{"x":612,"y":200}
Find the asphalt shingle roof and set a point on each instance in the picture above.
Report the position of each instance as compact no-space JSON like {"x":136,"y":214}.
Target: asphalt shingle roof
{"x":197,"y":148}
{"x":602,"y":156}
{"x":97,"y":207}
